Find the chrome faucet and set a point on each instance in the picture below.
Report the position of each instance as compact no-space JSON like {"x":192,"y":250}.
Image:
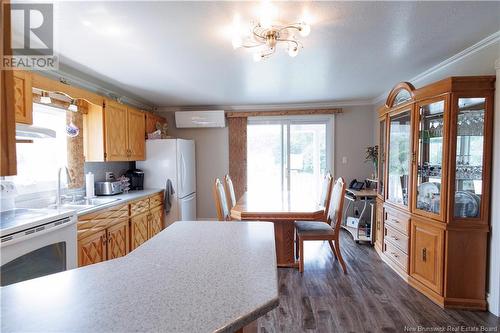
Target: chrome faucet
{"x":58,"y":195}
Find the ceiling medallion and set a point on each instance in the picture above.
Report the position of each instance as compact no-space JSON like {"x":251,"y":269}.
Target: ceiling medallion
{"x":265,"y":36}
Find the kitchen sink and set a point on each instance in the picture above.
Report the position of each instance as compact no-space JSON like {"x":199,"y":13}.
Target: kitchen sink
{"x":87,"y":203}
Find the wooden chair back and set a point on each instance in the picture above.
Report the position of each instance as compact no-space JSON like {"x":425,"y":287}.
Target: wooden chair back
{"x":221,"y":206}
{"x":326,"y":192}
{"x":231,"y":197}
{"x":336,"y":204}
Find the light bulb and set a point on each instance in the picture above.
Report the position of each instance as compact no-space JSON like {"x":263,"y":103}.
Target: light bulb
{"x":237,"y":42}
{"x":257,"y":56}
{"x":305,"y":29}
{"x":293,"y":51}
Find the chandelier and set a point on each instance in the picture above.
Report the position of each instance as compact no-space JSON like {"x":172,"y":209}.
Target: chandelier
{"x":265,"y":35}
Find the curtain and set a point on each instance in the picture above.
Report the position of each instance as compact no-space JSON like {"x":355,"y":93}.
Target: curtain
{"x":238,"y":154}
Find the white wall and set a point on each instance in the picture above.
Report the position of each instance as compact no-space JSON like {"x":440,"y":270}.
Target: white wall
{"x":353,"y":133}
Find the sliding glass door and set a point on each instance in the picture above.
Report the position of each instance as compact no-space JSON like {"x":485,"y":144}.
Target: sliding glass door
{"x":289,"y":155}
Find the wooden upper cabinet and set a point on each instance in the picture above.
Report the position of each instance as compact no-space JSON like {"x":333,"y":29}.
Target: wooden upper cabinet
{"x":136,"y":141}
{"x":115,"y":132}
{"x":23,"y":97}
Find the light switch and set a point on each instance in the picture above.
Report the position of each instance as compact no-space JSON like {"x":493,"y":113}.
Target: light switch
{"x":344,"y":159}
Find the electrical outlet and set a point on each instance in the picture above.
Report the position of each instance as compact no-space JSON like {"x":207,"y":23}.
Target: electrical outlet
{"x":344,"y":159}
{"x":7,"y":188}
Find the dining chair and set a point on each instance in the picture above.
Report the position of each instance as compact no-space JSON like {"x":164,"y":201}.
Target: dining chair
{"x":319,"y":230}
{"x":221,"y":206}
{"x":231,"y":197}
{"x":326,"y":193}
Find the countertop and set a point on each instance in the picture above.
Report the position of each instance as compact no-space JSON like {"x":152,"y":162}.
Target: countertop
{"x":122,"y":198}
{"x":191,"y":277}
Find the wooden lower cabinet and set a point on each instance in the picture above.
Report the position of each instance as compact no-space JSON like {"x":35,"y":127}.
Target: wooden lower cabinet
{"x":118,"y":240}
{"x":155,"y":221}
{"x":92,"y":249}
{"x":113,"y":232}
{"x":426,"y":260}
{"x":139,"y":226}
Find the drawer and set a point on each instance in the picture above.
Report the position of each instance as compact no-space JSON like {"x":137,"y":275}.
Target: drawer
{"x":396,"y":255}
{"x":139,"y":207}
{"x":90,"y":223}
{"x":156,"y":200}
{"x":398,"y":221}
{"x":395,"y":237}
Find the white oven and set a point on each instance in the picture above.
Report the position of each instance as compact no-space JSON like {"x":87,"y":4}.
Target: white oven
{"x":37,"y":247}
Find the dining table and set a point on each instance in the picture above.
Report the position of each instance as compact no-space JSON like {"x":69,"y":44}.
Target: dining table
{"x":283,"y":209}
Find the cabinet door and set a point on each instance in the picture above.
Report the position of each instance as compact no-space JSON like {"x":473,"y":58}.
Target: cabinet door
{"x":115,"y":131}
{"x":381,"y":158}
{"x":136,"y":140}
{"x":138,"y":230}
{"x":430,"y":156}
{"x":399,"y":158}
{"x":118,"y":240}
{"x":23,"y":97}
{"x":470,"y":168}
{"x":426,"y":263}
{"x":92,"y":249}
{"x":156,"y":221}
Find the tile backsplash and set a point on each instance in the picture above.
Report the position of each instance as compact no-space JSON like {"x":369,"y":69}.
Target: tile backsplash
{"x":99,"y":169}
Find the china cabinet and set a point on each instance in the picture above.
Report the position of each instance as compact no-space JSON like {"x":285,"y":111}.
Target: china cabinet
{"x":433,"y":194}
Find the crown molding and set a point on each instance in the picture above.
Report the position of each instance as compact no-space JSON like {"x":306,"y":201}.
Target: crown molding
{"x":73,"y":80}
{"x":268,"y":107}
{"x":491,"y":39}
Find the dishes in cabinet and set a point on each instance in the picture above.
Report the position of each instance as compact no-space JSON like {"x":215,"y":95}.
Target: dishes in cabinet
{"x":466,"y":204}
{"x":428,"y":197}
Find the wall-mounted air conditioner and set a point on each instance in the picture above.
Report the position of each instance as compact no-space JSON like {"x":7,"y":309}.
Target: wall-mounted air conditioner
{"x":195,"y":119}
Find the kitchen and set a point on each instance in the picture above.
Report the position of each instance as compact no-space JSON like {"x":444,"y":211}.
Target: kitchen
{"x":138,"y":197}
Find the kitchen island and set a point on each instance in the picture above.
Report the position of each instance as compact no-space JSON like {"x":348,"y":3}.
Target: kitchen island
{"x":191,"y":277}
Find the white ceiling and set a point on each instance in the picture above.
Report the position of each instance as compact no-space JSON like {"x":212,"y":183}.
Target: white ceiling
{"x":179,"y":53}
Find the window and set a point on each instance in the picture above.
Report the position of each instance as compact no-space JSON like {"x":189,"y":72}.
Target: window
{"x":289,"y":154}
{"x":38,"y":162}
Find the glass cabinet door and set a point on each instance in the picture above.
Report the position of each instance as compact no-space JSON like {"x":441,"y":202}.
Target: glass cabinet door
{"x":431,"y":130}
{"x":381,"y":158}
{"x":399,"y":158}
{"x":469,"y":157}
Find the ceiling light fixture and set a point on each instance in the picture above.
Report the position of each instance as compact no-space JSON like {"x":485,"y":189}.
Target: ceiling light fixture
{"x":45,"y":98}
{"x":265,"y":35}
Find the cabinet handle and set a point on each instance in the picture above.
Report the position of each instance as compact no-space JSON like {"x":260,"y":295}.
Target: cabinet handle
{"x":424,"y":254}
{"x":414,"y":157}
{"x":395,"y":238}
{"x":395,"y":221}
{"x":103,"y":240}
{"x":395,"y":254}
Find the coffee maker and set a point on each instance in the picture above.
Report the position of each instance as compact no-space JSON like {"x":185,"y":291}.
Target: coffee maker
{"x":136,"y":177}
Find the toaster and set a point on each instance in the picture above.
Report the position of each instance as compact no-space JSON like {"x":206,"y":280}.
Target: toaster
{"x":108,"y":188}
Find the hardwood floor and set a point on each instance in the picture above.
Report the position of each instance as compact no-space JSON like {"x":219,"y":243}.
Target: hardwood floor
{"x":370,"y":298}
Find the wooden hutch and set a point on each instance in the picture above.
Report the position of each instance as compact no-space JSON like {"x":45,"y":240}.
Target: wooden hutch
{"x":432,"y":219}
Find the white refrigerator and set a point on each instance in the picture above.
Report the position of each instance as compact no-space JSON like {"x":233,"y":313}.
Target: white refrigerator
{"x":172,"y":159}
